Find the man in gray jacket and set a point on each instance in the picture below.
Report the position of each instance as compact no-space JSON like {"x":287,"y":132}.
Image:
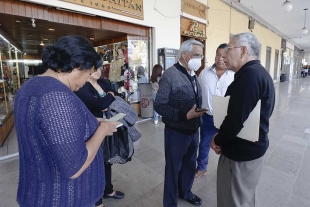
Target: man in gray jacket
{"x":177,"y":99}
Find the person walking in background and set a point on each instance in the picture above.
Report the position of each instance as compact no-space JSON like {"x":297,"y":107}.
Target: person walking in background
{"x":241,"y":161}
{"x":61,"y":162}
{"x":213,"y":81}
{"x":141,"y":75}
{"x":98,"y":95}
{"x":178,"y":96}
{"x":156,"y":74}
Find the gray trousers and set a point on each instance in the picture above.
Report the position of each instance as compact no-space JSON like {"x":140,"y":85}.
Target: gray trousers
{"x":237,"y":181}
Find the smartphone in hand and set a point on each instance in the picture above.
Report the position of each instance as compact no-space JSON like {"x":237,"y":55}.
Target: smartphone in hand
{"x":117,"y":117}
{"x":201,"y":110}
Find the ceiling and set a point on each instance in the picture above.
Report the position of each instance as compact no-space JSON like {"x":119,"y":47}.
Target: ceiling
{"x":28,"y":38}
{"x":288,"y":23}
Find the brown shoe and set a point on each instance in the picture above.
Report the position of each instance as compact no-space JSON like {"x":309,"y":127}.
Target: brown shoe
{"x":200,"y":173}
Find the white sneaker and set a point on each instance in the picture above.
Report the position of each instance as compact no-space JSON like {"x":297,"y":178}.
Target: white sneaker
{"x":155,"y":122}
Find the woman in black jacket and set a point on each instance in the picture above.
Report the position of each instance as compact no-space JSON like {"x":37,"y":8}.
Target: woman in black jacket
{"x":97,"y":95}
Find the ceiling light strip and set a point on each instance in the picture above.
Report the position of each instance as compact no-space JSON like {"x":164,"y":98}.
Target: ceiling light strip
{"x":25,"y":61}
{"x":10,"y":43}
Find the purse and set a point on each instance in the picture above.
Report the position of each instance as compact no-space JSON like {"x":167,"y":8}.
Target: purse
{"x":116,"y":147}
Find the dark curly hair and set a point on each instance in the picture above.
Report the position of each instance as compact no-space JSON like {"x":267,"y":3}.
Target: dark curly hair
{"x":69,"y":52}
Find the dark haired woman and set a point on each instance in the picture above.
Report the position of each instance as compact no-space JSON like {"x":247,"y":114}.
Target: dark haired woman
{"x":61,"y":162}
{"x":97,"y":95}
{"x":156,"y":74}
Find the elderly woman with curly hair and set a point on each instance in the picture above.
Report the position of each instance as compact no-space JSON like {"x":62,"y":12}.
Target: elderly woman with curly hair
{"x":61,"y":162}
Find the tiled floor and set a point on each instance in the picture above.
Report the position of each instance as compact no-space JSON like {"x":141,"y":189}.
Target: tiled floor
{"x":285,"y":180}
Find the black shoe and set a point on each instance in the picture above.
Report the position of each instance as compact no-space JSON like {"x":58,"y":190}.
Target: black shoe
{"x":195,"y":200}
{"x":117,"y":195}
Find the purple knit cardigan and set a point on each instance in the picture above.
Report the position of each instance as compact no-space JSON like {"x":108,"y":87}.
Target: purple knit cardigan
{"x":52,"y":126}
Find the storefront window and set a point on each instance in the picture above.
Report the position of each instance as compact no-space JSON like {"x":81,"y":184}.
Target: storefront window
{"x":121,"y":63}
{"x":9,"y":84}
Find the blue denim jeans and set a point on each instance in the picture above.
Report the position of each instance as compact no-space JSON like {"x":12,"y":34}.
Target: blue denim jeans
{"x":155,"y":113}
{"x":207,"y":131}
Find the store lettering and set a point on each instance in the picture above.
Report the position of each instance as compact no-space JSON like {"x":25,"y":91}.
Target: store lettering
{"x":126,"y":3}
{"x":201,"y":8}
{"x":195,"y":31}
{"x":132,"y":8}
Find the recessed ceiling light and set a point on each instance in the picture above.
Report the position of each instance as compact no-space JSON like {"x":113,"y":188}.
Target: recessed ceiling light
{"x":92,"y":38}
{"x":51,"y":29}
{"x":44,"y":39}
{"x":17,"y":21}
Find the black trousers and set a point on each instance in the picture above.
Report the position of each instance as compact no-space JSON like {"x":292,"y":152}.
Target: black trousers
{"x":108,"y":181}
{"x":180,"y":155}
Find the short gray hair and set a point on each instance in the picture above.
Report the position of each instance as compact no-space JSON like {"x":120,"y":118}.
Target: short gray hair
{"x":187,"y":46}
{"x":250,"y":41}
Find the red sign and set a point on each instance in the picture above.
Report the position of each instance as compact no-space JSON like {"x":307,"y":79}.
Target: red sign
{"x":144,"y":102}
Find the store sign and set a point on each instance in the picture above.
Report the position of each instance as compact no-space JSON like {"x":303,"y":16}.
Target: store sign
{"x":194,"y":8}
{"x":192,"y":28}
{"x":130,"y":8}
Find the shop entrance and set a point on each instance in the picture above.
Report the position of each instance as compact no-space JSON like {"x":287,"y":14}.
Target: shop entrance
{"x":26,"y":28}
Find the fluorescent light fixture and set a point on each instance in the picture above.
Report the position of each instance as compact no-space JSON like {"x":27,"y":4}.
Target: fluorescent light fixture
{"x":4,"y":39}
{"x":25,"y":61}
{"x":9,"y":43}
{"x":51,"y":29}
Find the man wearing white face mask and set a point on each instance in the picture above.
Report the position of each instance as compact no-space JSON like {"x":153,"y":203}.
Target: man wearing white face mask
{"x":178,"y":97}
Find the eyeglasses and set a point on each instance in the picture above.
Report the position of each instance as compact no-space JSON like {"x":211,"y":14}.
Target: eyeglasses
{"x":198,"y":56}
{"x":228,"y":48}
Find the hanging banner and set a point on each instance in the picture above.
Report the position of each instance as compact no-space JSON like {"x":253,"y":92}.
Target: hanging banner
{"x":130,"y":8}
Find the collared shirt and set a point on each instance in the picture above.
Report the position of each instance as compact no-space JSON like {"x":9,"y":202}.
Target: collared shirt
{"x":211,"y":84}
{"x":192,"y":74}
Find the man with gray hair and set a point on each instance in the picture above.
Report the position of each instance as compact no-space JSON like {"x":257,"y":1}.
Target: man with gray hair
{"x":241,"y":161}
{"x":177,"y":100}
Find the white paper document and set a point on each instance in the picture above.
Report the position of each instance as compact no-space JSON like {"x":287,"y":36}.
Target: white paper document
{"x":250,"y":130}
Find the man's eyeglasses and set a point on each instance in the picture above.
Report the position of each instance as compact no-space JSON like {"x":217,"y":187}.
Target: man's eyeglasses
{"x":198,"y":56}
{"x":228,"y":48}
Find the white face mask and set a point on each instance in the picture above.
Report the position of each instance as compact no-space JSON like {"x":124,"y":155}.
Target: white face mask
{"x":194,"y":64}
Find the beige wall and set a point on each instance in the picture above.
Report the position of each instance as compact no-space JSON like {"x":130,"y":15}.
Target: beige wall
{"x":224,"y":21}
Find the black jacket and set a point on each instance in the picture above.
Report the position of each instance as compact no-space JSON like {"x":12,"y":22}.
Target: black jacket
{"x":89,"y":95}
{"x":252,"y":83}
